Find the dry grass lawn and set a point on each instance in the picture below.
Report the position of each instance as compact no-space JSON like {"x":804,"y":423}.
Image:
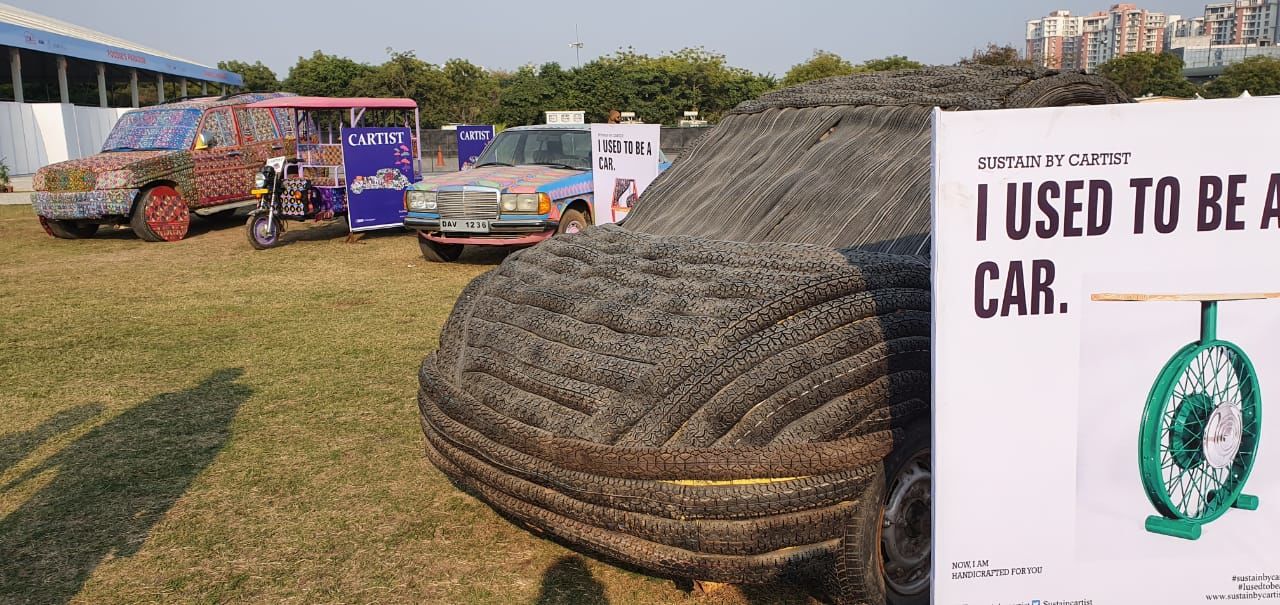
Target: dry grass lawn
{"x":198,"y":422}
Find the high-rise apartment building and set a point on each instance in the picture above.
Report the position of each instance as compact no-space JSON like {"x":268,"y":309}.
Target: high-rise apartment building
{"x":1052,"y":40}
{"x":1183,"y":28}
{"x":1095,"y":42}
{"x":1242,"y":22}
{"x":1063,"y":41}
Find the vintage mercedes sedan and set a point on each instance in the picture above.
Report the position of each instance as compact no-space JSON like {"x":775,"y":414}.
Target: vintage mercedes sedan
{"x":531,"y":182}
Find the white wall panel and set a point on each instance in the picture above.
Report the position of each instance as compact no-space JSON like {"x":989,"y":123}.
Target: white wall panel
{"x":33,"y":135}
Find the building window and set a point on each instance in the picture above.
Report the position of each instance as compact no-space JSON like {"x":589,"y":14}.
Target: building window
{"x":6,"y":84}
{"x":118,"y":87}
{"x":173,"y":88}
{"x":39,"y":77}
{"x":146,"y":88}
{"x":82,"y":82}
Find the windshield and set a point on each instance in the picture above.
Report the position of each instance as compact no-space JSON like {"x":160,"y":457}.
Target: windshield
{"x":562,"y":148}
{"x":148,"y":129}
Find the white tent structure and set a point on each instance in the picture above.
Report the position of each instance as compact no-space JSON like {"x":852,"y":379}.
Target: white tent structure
{"x":67,"y":85}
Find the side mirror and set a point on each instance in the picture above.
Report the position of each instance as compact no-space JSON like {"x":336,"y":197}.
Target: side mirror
{"x":203,"y":142}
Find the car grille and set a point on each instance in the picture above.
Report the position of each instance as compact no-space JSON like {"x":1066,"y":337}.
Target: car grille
{"x":468,"y":204}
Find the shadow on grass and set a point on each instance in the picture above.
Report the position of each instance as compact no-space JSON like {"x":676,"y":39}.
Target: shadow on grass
{"x":333,"y":229}
{"x":486,"y":255}
{"x":17,"y":446}
{"x":790,"y":592}
{"x":314,"y":231}
{"x":200,"y":225}
{"x":781,"y":594}
{"x":569,"y":582}
{"x":479,"y":255}
{"x":111,"y":487}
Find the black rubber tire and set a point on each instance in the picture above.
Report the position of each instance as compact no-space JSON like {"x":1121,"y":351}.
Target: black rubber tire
{"x":571,"y":216}
{"x":221,"y":215}
{"x":917,"y":439}
{"x":250,"y":229}
{"x":857,"y":577}
{"x":436,"y":252}
{"x":70,"y":229}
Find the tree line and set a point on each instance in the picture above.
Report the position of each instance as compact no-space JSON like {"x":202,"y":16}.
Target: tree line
{"x":659,"y":89}
{"x":1143,"y":74}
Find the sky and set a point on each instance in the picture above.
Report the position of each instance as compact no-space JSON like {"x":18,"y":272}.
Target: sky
{"x":763,"y":36}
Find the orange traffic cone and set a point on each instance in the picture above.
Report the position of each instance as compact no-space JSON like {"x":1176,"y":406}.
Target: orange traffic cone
{"x":439,"y":157}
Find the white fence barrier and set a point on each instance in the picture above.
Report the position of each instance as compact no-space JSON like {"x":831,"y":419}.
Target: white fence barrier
{"x":33,"y":135}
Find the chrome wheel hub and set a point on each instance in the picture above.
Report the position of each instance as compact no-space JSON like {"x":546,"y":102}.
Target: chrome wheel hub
{"x":907,"y":536}
{"x":1222,"y":435}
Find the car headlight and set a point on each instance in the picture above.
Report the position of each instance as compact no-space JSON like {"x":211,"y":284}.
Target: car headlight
{"x":526,"y":203}
{"x":421,"y":200}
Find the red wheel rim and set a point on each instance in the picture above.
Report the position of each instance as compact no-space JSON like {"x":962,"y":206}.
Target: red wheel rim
{"x":166,"y":214}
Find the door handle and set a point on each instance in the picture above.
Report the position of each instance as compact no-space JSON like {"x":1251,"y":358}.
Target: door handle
{"x":277,"y":147}
{"x":234,"y":154}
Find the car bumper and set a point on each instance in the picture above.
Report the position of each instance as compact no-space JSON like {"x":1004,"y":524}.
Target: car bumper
{"x":502,"y":232}
{"x":82,"y":205}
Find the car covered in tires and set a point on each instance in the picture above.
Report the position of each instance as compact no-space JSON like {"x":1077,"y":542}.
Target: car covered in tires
{"x":531,"y":182}
{"x":733,"y":385}
{"x":160,"y":164}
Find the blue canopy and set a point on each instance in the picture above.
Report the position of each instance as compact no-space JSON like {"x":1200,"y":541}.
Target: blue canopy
{"x":28,"y":31}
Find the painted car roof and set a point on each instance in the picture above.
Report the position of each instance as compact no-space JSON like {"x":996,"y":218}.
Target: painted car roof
{"x":208,"y":102}
{"x":335,"y":103}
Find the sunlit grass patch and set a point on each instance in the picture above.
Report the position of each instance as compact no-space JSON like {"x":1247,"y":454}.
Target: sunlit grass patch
{"x":202,"y":422}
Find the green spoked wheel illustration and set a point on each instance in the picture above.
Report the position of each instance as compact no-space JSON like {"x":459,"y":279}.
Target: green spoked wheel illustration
{"x":1199,"y":436}
{"x":1200,"y":427}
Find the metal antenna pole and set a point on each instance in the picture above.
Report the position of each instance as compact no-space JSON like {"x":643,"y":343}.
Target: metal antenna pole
{"x":577,"y":46}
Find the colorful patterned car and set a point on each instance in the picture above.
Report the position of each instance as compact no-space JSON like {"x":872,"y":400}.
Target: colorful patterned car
{"x":530,"y":183}
{"x":161,"y":164}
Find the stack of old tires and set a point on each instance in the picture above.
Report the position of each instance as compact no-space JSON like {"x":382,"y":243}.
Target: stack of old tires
{"x":734,"y":385}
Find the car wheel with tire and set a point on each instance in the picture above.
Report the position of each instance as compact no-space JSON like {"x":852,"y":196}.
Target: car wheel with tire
{"x":160,"y":215}
{"x":906,"y":540}
{"x":884,"y":556}
{"x":68,"y":229}
{"x":572,"y":221}
{"x":857,"y":578}
{"x":437,"y":252}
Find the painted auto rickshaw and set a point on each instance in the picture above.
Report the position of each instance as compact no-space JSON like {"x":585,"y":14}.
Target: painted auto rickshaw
{"x":344,"y":167}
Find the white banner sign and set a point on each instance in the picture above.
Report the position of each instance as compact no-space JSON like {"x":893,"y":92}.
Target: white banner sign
{"x":1102,"y":342}
{"x":625,"y":160}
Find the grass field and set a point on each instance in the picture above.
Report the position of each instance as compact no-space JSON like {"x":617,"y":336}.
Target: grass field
{"x":199,"y":422}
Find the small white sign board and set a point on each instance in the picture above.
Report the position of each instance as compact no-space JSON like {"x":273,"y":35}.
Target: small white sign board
{"x":566,"y":117}
{"x":625,"y":160}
